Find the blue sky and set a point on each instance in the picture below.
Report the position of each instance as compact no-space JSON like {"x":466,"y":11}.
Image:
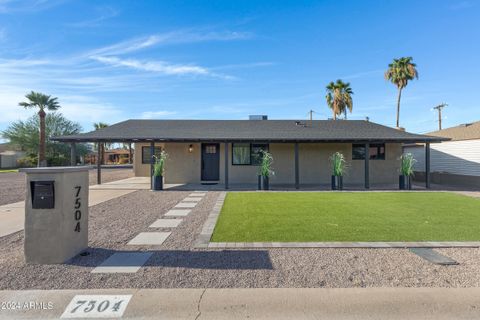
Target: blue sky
{"x":115,"y":60}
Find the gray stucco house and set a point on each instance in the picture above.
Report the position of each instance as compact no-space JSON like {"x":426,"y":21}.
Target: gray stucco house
{"x":228,"y":151}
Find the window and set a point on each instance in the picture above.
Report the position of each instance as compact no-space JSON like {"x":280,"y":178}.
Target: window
{"x":241,"y":153}
{"x":256,"y":153}
{"x":146,"y":155}
{"x":377,"y":151}
{"x":248,"y":153}
{"x":211,"y":149}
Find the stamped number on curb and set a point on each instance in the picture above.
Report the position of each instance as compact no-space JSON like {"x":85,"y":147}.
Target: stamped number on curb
{"x":97,"y":306}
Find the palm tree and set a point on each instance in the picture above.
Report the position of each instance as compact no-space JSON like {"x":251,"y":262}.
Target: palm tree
{"x":399,"y":72}
{"x":98,"y":126}
{"x":339,"y":98}
{"x":42,"y":102}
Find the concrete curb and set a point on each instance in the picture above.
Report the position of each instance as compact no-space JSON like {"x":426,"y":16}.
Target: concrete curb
{"x":281,"y":303}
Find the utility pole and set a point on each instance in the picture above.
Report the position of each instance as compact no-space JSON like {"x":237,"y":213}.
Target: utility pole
{"x":311,"y":114}
{"x":439,"y":109}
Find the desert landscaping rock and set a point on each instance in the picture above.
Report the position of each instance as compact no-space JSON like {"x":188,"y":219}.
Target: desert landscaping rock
{"x":176,"y":263}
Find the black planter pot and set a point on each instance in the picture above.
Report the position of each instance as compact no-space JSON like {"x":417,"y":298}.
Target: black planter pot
{"x":404,"y":182}
{"x":265,"y":183}
{"x":157,"y":183}
{"x":337,"y":182}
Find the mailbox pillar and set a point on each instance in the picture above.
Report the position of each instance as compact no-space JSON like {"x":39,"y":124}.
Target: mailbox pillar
{"x":56,"y":213}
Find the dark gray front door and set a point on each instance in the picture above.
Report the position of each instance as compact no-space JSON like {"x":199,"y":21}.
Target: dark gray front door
{"x":210,"y":161}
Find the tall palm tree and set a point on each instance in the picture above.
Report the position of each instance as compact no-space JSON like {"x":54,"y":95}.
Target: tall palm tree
{"x":98,"y":126}
{"x":339,"y":98}
{"x":399,"y":72}
{"x":42,"y":102}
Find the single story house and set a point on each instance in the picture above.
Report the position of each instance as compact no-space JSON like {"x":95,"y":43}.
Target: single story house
{"x":455,"y":162}
{"x":228,"y":151}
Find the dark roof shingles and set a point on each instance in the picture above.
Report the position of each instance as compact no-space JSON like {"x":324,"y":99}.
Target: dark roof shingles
{"x":270,"y":130}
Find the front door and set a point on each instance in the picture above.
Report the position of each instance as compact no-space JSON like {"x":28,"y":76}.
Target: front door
{"x":210,"y":161}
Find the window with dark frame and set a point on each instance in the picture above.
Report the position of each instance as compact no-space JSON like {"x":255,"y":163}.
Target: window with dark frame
{"x":248,"y":153}
{"x":377,"y":151}
{"x":146,"y":155}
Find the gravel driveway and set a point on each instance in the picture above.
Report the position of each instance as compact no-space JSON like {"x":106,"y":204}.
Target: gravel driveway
{"x":12,"y":184}
{"x":177,"y":264}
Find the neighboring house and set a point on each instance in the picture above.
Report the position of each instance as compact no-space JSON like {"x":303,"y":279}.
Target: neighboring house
{"x":9,"y":156}
{"x":455,"y":162}
{"x":228,"y":151}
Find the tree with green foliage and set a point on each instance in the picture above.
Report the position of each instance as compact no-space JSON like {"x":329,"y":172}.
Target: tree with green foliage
{"x":42,"y":102}
{"x":399,"y":72}
{"x":339,"y":98}
{"x":25,"y":134}
{"x":102,"y":146}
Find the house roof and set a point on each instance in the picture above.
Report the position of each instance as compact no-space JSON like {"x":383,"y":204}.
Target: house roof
{"x":466,"y":131}
{"x":249,"y":130}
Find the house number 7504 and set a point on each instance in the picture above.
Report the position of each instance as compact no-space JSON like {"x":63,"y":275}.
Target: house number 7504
{"x":78,"y":208}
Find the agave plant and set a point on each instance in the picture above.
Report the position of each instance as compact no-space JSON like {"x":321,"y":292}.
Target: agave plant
{"x":407,"y":163}
{"x":266,"y":165}
{"x":339,"y":164}
{"x":159,"y":165}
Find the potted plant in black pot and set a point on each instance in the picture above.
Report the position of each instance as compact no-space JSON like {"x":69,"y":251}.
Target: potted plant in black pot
{"x":265,"y":170}
{"x":406,"y":171}
{"x":159,"y":170}
{"x":338,"y":166}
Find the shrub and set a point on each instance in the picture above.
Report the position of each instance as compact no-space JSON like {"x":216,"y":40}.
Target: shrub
{"x":338,"y":163}
{"x":266,"y":165}
{"x":159,"y":166}
{"x":406,"y":165}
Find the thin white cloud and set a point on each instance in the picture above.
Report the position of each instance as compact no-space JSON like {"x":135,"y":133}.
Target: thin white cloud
{"x":362,"y":74}
{"x":106,"y":13}
{"x":153,"y":66}
{"x":11,"y":6}
{"x":157,"y":114}
{"x":173,"y":37}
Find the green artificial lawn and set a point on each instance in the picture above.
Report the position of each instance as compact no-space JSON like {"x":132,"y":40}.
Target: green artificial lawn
{"x":8,"y":170}
{"x":347,"y":216}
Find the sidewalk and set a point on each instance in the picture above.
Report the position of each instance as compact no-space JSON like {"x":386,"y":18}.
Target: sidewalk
{"x":361,"y":303}
{"x":12,"y":216}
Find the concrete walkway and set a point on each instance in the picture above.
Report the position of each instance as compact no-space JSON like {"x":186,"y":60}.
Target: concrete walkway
{"x":356,"y":303}
{"x":12,"y":216}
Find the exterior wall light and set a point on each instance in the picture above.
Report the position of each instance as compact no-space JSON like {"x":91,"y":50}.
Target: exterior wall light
{"x":190,"y":148}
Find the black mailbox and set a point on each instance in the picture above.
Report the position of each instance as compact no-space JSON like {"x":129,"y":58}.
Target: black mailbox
{"x":43,"y":194}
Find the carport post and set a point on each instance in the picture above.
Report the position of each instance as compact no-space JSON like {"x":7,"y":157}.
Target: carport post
{"x":297,"y":176}
{"x":152,"y":161}
{"x":226,"y":165}
{"x":73,"y":154}
{"x":99,"y":164}
{"x":427,"y":165}
{"x":367,"y":165}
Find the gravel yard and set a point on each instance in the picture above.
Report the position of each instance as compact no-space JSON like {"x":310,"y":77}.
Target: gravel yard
{"x":177,"y":264}
{"x":12,"y":184}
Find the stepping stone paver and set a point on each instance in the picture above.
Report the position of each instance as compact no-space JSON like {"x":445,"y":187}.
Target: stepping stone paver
{"x":178,"y":213}
{"x":123,"y":262}
{"x":149,"y":238}
{"x":186,"y":205}
{"x":433,"y":256}
{"x":192,"y":199}
{"x":166,"y":223}
{"x":197,"y":194}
